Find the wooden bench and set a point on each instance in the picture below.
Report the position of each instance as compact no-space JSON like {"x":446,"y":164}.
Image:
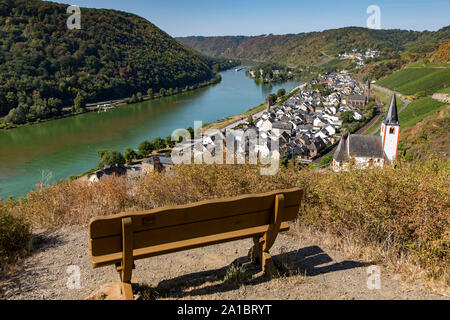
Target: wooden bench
{"x":123,"y":238}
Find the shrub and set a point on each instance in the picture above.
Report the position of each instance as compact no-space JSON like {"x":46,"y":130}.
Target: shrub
{"x":281,"y":92}
{"x":236,"y":276}
{"x":403,"y":209}
{"x":130,"y":155}
{"x":15,"y":239}
{"x":144,"y":149}
{"x":110,"y":158}
{"x":326,"y":160}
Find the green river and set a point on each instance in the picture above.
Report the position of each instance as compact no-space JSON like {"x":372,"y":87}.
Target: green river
{"x":54,"y":150}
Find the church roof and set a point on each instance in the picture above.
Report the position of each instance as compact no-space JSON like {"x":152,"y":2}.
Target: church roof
{"x":392,"y":114}
{"x":341,"y":152}
{"x":365,"y":146}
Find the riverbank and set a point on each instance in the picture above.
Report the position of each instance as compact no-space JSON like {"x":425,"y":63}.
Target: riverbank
{"x":228,"y":123}
{"x":96,"y":106}
{"x":50,"y":151}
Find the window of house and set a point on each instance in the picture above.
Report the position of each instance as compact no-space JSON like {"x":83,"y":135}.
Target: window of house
{"x":391,"y":130}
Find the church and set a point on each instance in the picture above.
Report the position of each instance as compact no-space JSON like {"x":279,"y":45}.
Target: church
{"x":365,"y":151}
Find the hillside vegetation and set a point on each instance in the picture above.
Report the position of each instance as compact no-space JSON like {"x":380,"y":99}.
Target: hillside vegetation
{"x":305,"y":49}
{"x":402,"y":212}
{"x":44,"y":66}
{"x":429,"y":137}
{"x":417,"y":110}
{"x":410,"y":81}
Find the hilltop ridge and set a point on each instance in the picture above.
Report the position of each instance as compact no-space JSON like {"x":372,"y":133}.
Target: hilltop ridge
{"x":44,"y":66}
{"x":310,"y":48}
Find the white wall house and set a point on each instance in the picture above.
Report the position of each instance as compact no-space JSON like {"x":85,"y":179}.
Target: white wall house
{"x":366,"y":151}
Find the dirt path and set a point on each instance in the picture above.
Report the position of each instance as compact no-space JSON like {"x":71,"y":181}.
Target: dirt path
{"x":442,"y":97}
{"x":315,"y":272}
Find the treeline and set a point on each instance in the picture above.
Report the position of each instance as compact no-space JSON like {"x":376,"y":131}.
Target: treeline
{"x":163,"y":92}
{"x":144,"y":149}
{"x":309,"y":48}
{"x":45,"y":67}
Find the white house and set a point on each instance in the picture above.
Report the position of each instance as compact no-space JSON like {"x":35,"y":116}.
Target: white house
{"x":357,"y":115}
{"x":365,"y":151}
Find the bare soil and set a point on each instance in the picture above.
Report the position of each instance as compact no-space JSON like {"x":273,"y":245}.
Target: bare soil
{"x":310,"y":270}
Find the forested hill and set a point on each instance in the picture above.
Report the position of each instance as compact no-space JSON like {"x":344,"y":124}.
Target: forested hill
{"x":310,"y":48}
{"x":44,"y":65}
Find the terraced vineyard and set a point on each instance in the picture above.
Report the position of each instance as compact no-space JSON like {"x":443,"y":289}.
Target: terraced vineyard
{"x":410,"y":81}
{"x":419,"y":110}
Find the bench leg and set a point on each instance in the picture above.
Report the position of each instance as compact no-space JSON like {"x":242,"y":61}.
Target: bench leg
{"x":126,"y":267}
{"x":261,"y":247}
{"x":257,"y":254}
{"x":127,"y":291}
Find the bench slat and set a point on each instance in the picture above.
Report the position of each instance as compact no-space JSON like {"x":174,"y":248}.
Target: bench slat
{"x":109,"y":226}
{"x":142,"y":253}
{"x":187,"y":231}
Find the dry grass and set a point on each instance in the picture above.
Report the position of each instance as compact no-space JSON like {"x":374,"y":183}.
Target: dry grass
{"x":15,"y":240}
{"x":390,"y":215}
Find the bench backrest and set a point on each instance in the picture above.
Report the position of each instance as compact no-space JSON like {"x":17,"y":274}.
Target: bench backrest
{"x":206,"y":218}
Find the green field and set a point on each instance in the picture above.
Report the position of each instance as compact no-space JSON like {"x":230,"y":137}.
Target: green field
{"x":445,"y":90}
{"x":417,"y":110}
{"x":412,"y":80}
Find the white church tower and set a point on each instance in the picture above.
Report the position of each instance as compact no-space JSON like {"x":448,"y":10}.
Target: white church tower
{"x":390,"y":132}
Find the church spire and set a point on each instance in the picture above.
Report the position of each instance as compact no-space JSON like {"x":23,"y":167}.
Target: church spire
{"x":392,"y":115}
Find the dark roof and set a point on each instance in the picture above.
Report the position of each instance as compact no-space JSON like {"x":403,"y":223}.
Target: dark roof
{"x":155,"y":159}
{"x":282,"y":125}
{"x":365,"y":146}
{"x":392,"y":115}
{"x":110,"y":170}
{"x":357,"y":97}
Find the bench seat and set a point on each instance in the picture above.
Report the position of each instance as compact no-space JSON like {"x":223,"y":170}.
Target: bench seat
{"x":114,"y":258}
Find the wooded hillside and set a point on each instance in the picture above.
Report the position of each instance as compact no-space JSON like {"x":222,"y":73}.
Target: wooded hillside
{"x":45,"y":66}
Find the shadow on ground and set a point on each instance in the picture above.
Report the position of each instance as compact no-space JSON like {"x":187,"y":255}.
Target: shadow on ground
{"x":309,"y":261}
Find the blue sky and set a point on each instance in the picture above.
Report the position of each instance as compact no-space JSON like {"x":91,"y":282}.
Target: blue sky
{"x":256,"y":17}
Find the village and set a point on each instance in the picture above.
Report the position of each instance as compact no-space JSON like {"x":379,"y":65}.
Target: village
{"x":359,"y":57}
{"x":308,"y":122}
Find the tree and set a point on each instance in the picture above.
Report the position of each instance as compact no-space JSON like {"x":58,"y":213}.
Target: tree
{"x":79,"y":102}
{"x":139,"y":96}
{"x":17,"y":115}
{"x":191,"y":131}
{"x":150,"y":93}
{"x":130,"y":155}
{"x":158,"y":144}
{"x":271,"y":99}
{"x":162,"y":92}
{"x":250,"y":119}
{"x":110,"y":158}
{"x":55,"y":105}
{"x":281,"y":92}
{"x":144,"y":149}
{"x":326,"y":160}
{"x":346,"y":116}
{"x":169,"y":142}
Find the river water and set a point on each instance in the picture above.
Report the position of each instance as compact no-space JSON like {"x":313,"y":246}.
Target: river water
{"x":57,"y":149}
